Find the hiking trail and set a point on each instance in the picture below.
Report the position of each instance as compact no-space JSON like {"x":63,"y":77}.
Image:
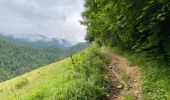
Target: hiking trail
{"x":126,"y":80}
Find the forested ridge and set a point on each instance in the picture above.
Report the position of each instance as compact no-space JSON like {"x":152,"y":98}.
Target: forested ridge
{"x":60,"y":43}
{"x":16,"y":59}
{"x":141,"y":26}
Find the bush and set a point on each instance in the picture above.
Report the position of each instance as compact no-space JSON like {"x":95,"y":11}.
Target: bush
{"x":38,"y":94}
{"x":21,"y":83}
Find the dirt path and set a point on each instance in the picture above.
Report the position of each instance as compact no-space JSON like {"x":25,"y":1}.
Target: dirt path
{"x":126,"y":80}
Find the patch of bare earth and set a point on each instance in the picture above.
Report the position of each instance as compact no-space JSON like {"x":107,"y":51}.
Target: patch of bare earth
{"x":118,"y":68}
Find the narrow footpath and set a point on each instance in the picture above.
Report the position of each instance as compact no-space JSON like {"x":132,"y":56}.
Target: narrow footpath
{"x":126,"y":80}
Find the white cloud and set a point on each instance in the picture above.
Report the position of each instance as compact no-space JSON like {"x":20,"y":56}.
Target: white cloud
{"x":52,"y":18}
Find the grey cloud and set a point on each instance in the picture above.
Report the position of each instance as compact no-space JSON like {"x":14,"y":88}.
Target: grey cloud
{"x":52,"y":18}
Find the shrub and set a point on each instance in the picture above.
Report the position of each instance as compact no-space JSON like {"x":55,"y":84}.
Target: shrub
{"x":38,"y":94}
{"x":21,"y":83}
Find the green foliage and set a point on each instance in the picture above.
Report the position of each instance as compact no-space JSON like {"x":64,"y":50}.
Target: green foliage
{"x":154,"y":85}
{"x":129,"y":97}
{"x":126,"y":78}
{"x":92,"y":82}
{"x":38,"y":94}
{"x":134,"y":25}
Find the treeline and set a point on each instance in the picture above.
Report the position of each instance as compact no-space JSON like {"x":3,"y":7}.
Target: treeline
{"x":16,"y":60}
{"x":136,"y":25}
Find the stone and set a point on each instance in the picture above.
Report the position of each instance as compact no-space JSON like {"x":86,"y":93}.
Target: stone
{"x":136,"y":93}
{"x":110,"y":67}
{"x":120,"y":86}
{"x":108,"y":95}
{"x":135,"y":80}
{"x":115,"y":96}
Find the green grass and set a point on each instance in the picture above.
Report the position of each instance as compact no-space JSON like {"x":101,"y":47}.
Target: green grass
{"x":81,"y":78}
{"x":126,"y":78}
{"x":155,"y":76}
{"x":129,"y":97}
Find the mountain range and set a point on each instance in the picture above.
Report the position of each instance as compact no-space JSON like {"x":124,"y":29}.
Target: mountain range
{"x":41,"y":42}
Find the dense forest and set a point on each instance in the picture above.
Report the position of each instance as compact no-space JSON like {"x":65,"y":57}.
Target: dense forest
{"x":16,"y":59}
{"x":135,"y":25}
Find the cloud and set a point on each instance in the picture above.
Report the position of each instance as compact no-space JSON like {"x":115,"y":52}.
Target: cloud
{"x":51,"y":18}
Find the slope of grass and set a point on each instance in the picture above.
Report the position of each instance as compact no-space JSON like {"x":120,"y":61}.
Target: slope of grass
{"x":81,"y":77}
{"x":155,"y":76}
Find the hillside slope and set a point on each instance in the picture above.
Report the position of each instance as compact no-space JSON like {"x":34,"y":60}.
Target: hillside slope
{"x":76,"y":48}
{"x":16,"y":59}
{"x":81,"y":77}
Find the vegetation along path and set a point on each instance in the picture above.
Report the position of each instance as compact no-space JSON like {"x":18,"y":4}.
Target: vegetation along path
{"x":126,"y":80}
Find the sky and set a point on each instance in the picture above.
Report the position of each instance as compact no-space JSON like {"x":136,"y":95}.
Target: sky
{"x":34,"y":19}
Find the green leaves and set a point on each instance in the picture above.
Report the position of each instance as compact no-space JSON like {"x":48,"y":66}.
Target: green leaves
{"x":128,"y":24}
